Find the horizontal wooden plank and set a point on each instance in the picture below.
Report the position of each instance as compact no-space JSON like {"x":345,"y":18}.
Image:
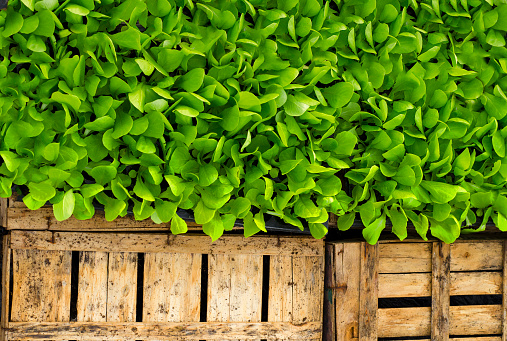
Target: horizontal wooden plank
{"x":163,"y":331}
{"x":404,"y":257}
{"x":22,"y":218}
{"x":419,"y":284}
{"x":476,"y":283}
{"x":464,"y":320}
{"x":404,"y":285}
{"x":473,"y":256}
{"x":139,"y":242}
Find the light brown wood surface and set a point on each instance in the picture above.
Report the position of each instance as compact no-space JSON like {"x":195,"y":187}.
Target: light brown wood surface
{"x":474,"y":256}
{"x":122,"y":287}
{"x":157,"y":242}
{"x":41,"y":286}
{"x":368,"y":293}
{"x":163,"y":331}
{"x":22,"y":218}
{"x":172,"y":287}
{"x":463,"y":320}
{"x":234,"y":288}
{"x":404,"y":257}
{"x":419,"y":284}
{"x":307,"y":289}
{"x":6,"y":270}
{"x":440,"y":291}
{"x":3,"y":211}
{"x":344,"y":267}
{"x":92,"y":287}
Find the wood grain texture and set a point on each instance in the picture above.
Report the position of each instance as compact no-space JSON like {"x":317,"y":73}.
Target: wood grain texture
{"x":156,"y":242}
{"x":348,"y":277}
{"x":404,"y":322}
{"x":96,"y":331}
{"x":419,"y":284}
{"x":4,"y":205}
{"x":281,"y":283}
{"x":440,"y":291}
{"x":463,"y":320}
{"x":368,"y":294}
{"x":172,"y":287}
{"x":342,"y":290}
{"x":6,"y":271}
{"x":41,"y":286}
{"x":92,"y":287}
{"x":22,"y":218}
{"x":475,"y":256}
{"x":235,"y":288}
{"x":122,"y":287}
{"x":404,"y":257}
{"x":307,"y":290}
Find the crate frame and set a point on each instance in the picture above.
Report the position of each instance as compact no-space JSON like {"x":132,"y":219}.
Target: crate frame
{"x":297,"y":316}
{"x":392,"y":269}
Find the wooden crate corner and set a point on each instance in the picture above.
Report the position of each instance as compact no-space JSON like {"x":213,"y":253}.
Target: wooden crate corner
{"x":359,"y":276}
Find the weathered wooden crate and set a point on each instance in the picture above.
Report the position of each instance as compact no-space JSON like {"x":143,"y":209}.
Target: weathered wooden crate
{"x":138,"y":286}
{"x":361,"y":279}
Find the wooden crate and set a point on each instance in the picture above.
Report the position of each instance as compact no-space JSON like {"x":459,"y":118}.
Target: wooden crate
{"x":359,"y":277}
{"x":139,"y":286}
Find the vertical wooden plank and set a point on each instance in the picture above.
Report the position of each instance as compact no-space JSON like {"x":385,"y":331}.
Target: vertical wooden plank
{"x":122,"y":287}
{"x":281,"y":284}
{"x":440,"y":291}
{"x":368,"y":296}
{"x":3,"y":212}
{"x":504,"y":293}
{"x":92,"y":287}
{"x":308,"y":289}
{"x":329,"y":323}
{"x":172,"y":287}
{"x":347,"y":274}
{"x":234,"y":288}
{"x":6,"y":270}
{"x":41,"y":286}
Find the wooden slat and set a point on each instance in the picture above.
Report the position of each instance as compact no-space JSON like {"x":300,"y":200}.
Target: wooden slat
{"x":476,"y":283}
{"x":3,"y":212}
{"x":172,"y":287}
{"x":504,"y":293}
{"x":6,"y":270}
{"x":404,"y":285}
{"x":92,"y":287}
{"x":476,"y":320}
{"x":440,"y":298}
{"x":419,"y":284}
{"x":368,"y":294}
{"x":41,"y":286}
{"x":281,"y":282}
{"x":476,"y":338}
{"x":404,"y":257}
{"x":330,"y":317}
{"x":235,"y":288}
{"x":348,"y":274}
{"x":97,"y":331}
{"x":464,"y":320}
{"x":308,"y":288}
{"x":141,"y":242}
{"x":122,"y":287}
{"x":474,"y":256}
{"x":22,"y":218}
{"x":404,"y":322}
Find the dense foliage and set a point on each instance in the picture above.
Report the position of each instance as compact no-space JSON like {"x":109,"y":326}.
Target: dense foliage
{"x":241,"y":109}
